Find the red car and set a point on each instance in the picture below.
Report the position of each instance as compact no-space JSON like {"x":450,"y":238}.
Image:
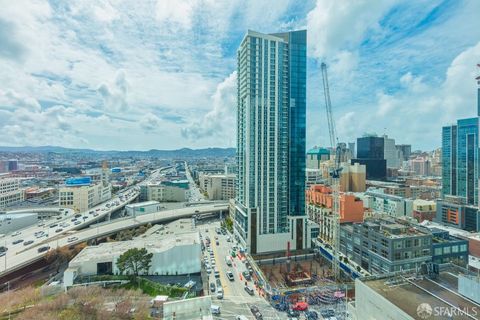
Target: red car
{"x":300,"y":306}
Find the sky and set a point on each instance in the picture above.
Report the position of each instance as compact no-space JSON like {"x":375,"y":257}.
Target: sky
{"x":140,"y":75}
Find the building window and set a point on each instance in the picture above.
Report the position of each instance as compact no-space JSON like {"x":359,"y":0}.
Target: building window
{"x":446,"y":250}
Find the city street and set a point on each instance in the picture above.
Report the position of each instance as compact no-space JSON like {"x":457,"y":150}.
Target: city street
{"x":194,"y":192}
{"x":236,"y":300}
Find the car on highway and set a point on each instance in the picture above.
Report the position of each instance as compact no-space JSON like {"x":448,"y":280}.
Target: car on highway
{"x":208,"y":270}
{"x":311,"y":315}
{"x":16,"y":233}
{"x":54,"y":225}
{"x":3,"y":249}
{"x":230,"y":275}
{"x":71,"y":239}
{"x":78,"y":215}
{"x":26,"y":243}
{"x":255,"y":311}
{"x":215,"y":309}
{"x":216,"y":273}
{"x":220,"y":293}
{"x":77,"y":223}
{"x":59,"y":230}
{"x":43,"y":249}
{"x":246,"y":275}
{"x":74,"y":219}
{"x":327,"y":313}
{"x":2,"y":253}
{"x":17,"y":241}
{"x":212,"y":287}
{"x":249,"y":290}
{"x":240,"y":317}
{"x":228,"y":261}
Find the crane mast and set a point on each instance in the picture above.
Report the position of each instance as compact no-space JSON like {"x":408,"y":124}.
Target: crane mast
{"x":334,"y":174}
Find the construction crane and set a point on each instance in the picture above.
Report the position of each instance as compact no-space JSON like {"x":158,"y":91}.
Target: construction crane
{"x":335,"y":172}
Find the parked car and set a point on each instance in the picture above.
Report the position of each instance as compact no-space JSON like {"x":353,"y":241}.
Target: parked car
{"x":230,"y":275}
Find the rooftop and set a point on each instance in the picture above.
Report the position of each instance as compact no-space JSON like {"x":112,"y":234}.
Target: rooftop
{"x":109,"y":250}
{"x":408,"y":293}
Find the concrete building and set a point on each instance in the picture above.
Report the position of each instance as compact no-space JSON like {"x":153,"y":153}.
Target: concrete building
{"x":177,"y":254}
{"x":420,"y":166}
{"x":13,"y":222}
{"x":317,"y":155}
{"x":353,"y":177}
{"x":384,"y":244}
{"x":390,"y":152}
{"x":80,"y":194}
{"x":319,"y":209}
{"x":221,"y":187}
{"x":137,"y":209}
{"x":314,"y":176}
{"x":424,"y":210}
{"x":351,"y":148}
{"x":10,"y":192}
{"x":163,"y":193}
{"x":381,"y":202}
{"x":409,"y":297}
{"x":271,"y":124}
{"x":447,"y":248}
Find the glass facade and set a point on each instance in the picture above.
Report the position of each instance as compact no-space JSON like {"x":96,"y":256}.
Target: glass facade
{"x":271,"y":125}
{"x":370,"y":148}
{"x":460,"y":160}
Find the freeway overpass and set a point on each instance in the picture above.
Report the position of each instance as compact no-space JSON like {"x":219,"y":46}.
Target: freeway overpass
{"x":30,"y":254}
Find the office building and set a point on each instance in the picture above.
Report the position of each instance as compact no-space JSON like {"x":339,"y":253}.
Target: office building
{"x":314,"y":176}
{"x":353,"y":178}
{"x":221,"y":187}
{"x":380,"y":202}
{"x":447,"y":248}
{"x":164,"y":192}
{"x":420,"y":166}
{"x":453,"y":211}
{"x":316,"y":156}
{"x":271,"y":92}
{"x":10,"y":192}
{"x":390,"y":153}
{"x":371,"y":153}
{"x":351,"y":148}
{"x":404,"y":151}
{"x":460,"y":160}
{"x":383,"y":244}
{"x":80,"y":194}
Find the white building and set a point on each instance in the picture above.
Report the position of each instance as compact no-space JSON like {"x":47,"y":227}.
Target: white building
{"x":82,"y":197}
{"x":220,"y":186}
{"x":10,"y":192}
{"x":177,"y":254}
{"x":136,"y":209}
{"x":390,"y":153}
{"x":381,"y":202}
{"x":165,"y":193}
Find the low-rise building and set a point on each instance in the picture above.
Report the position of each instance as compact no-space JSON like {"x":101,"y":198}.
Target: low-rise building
{"x":383,"y":244}
{"x":319,"y":209}
{"x":10,"y":192}
{"x":424,"y":210}
{"x":447,"y":248}
{"x":380,"y":202}
{"x":137,"y":209}
{"x":453,"y":211}
{"x":177,"y":254}
{"x":164,"y":192}
{"x":353,"y":177}
{"x":80,"y":194}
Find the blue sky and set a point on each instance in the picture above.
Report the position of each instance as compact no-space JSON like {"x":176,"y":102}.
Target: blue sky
{"x":161,"y":74}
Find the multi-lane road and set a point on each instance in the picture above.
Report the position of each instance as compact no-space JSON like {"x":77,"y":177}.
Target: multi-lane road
{"x":236,"y":301}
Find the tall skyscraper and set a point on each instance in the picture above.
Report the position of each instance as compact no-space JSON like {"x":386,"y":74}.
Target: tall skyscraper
{"x":460,"y":158}
{"x":271,"y":110}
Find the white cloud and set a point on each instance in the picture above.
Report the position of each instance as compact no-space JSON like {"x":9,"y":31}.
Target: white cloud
{"x":334,"y":25}
{"x":220,"y":120}
{"x":114,"y":95}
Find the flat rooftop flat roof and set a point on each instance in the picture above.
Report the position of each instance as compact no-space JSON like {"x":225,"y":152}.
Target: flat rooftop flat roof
{"x":440,"y":292}
{"x":109,"y":250}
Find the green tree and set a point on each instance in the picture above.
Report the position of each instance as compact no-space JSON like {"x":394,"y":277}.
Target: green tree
{"x":134,"y":261}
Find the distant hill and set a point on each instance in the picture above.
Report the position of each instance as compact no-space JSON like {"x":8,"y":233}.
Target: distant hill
{"x":179,"y":153}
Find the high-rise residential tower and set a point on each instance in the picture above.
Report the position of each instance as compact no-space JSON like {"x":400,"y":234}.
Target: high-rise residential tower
{"x":271,"y":108}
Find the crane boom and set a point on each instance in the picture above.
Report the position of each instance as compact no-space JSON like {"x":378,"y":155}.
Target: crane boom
{"x":335,"y":175}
